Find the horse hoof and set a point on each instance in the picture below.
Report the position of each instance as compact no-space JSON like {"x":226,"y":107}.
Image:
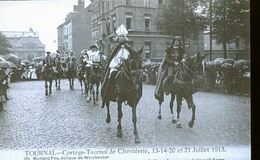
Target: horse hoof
{"x":108,"y":120}
{"x":119,"y":134}
{"x":191,"y":123}
{"x":174,"y":121}
{"x":138,"y":139}
{"x":159,"y":117}
{"x":46,"y":94}
{"x":178,"y":125}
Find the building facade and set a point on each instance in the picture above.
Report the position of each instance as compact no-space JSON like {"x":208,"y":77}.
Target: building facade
{"x":74,"y":34}
{"x":25,"y":44}
{"x":235,"y":50}
{"x":97,"y":23}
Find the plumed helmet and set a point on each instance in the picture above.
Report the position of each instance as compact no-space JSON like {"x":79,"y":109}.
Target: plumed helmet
{"x":177,"y":38}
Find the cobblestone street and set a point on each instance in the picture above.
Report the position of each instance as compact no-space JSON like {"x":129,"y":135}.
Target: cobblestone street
{"x":65,"y":120}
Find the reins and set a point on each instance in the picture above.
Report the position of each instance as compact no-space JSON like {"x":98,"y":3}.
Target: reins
{"x":184,"y":68}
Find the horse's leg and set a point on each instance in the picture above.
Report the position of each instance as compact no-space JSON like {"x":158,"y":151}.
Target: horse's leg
{"x":160,"y":109}
{"x":93,"y":94}
{"x":59,"y":84}
{"x":46,"y":88}
{"x":81,"y":88}
{"x":50,"y":85}
{"x":89,"y":92}
{"x":108,"y":119}
{"x":171,"y":108}
{"x":191,"y":104}
{"x":179,"y":102}
{"x":97,"y":91}
{"x":120,"y":115}
{"x":134,"y":119}
{"x":56,"y":83}
{"x":70,"y":83}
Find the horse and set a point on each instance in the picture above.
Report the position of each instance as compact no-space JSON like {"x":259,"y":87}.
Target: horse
{"x":94,"y":80}
{"x":81,"y":75}
{"x":187,"y":74}
{"x":58,"y":74}
{"x":129,"y":90}
{"x":71,"y":72}
{"x":48,"y":75}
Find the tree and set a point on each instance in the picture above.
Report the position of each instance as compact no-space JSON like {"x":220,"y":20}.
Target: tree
{"x":4,"y":45}
{"x":230,"y":20}
{"x":181,"y":17}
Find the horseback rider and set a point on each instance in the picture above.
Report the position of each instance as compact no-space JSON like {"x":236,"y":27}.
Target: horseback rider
{"x":91,"y":55}
{"x":118,"y":54}
{"x":174,"y":55}
{"x":57,"y":63}
{"x":48,"y":61}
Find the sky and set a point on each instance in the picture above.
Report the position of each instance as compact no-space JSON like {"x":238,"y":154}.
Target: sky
{"x":43,"y":16}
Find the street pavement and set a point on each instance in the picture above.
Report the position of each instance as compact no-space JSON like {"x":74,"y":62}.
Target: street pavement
{"x":65,"y":120}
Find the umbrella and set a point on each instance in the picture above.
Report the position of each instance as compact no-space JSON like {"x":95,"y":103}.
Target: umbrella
{"x":6,"y":64}
{"x":226,"y":65}
{"x":229,"y":60}
{"x":13,"y":58}
{"x":26,"y":62}
{"x":218,"y":61}
{"x":37,"y":59}
{"x":11,"y":64}
{"x":240,"y":63}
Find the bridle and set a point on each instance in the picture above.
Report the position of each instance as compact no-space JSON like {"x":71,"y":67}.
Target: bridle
{"x":192,"y":74}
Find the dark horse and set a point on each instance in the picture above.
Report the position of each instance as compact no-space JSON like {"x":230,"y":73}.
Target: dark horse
{"x":81,"y":72}
{"x":184,"y":86}
{"x":58,"y":74}
{"x":94,"y":81}
{"x":48,"y":76}
{"x":129,"y":89}
{"x":71,"y":73}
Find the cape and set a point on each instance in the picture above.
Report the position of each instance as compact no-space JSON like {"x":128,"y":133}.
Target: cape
{"x":111,"y":55}
{"x":162,"y":73}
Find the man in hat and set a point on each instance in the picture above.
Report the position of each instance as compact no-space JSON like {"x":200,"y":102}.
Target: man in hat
{"x":174,"y":54}
{"x":48,"y":61}
{"x":119,"y":52}
{"x":91,"y":55}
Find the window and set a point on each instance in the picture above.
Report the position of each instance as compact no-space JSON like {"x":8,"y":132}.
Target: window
{"x":128,"y":22}
{"x":114,"y":23}
{"x":128,"y":2}
{"x":108,"y":26}
{"x":147,"y":49}
{"x":108,"y":5}
{"x":147,"y":3}
{"x":147,"y":23}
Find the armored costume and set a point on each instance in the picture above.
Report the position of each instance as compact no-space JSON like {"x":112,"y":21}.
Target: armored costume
{"x":174,"y":55}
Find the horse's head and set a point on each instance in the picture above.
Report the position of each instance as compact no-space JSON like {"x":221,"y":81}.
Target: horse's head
{"x":195,"y":66}
{"x":134,"y":65}
{"x":135,"y":60}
